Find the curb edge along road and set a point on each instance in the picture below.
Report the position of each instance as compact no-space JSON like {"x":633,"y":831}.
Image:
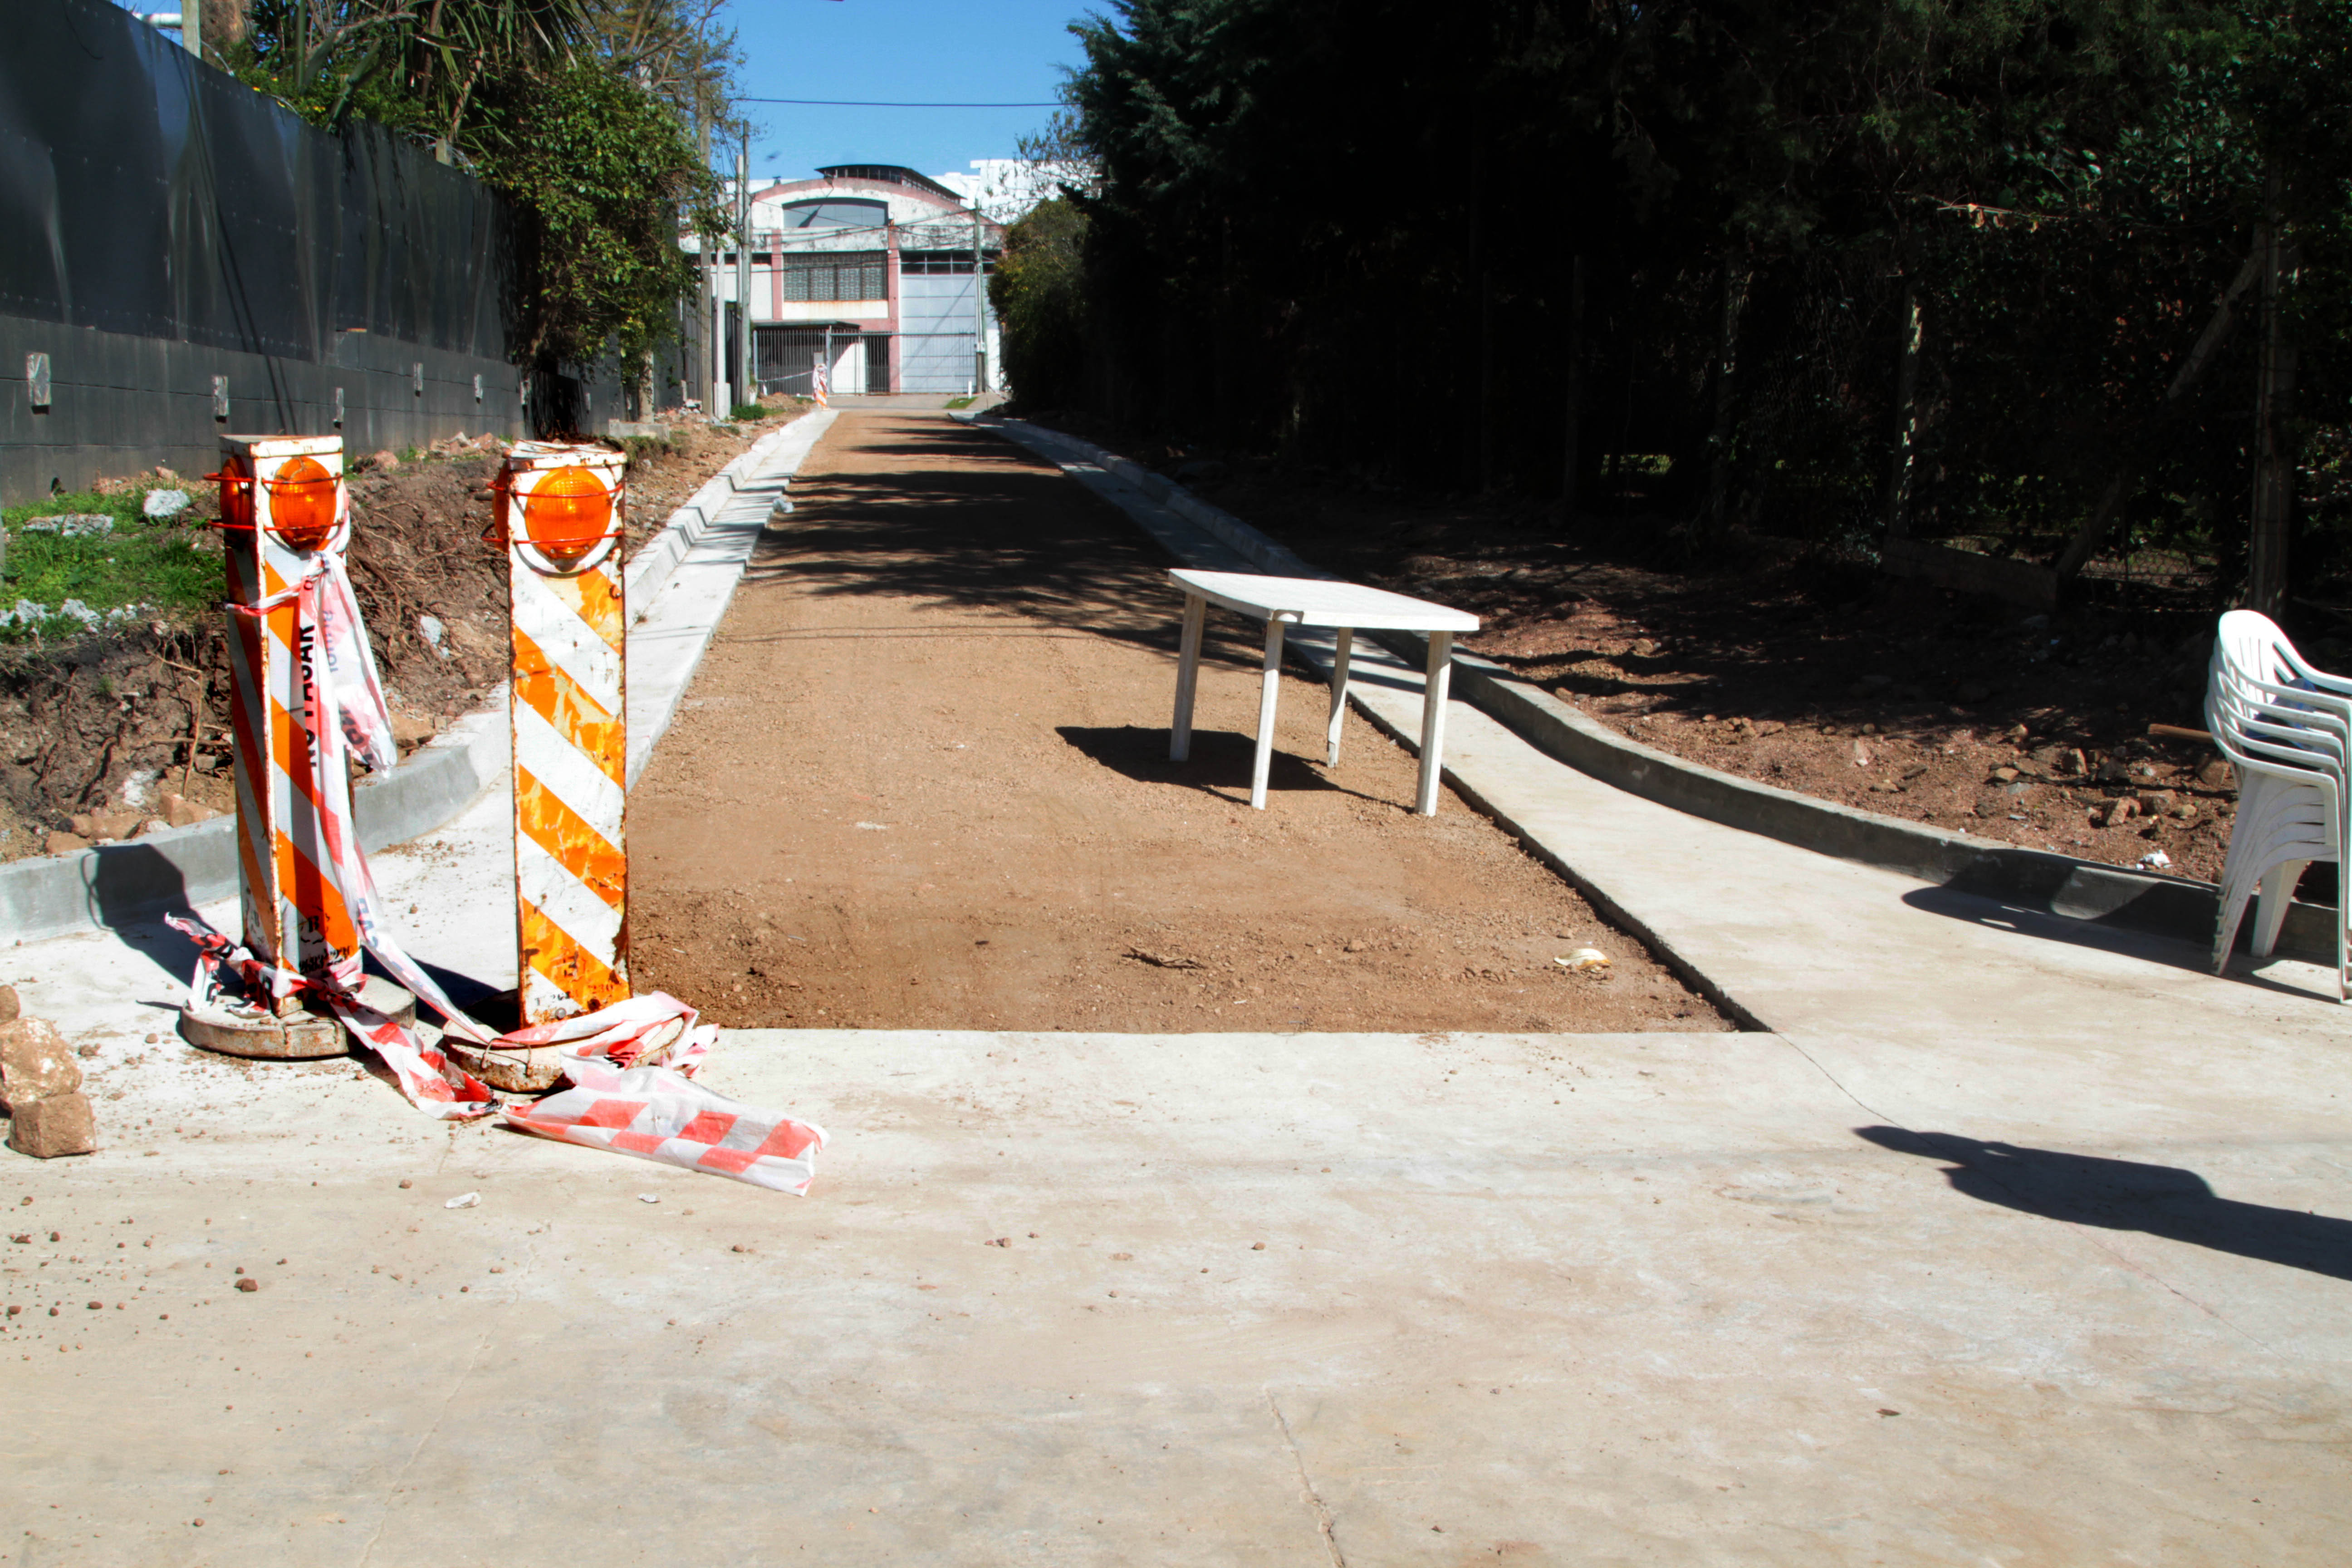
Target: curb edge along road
{"x":2037,"y":880}
{"x":180,"y":867}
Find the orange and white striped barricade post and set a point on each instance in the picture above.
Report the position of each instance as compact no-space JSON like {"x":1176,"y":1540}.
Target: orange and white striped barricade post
{"x":283,"y":503}
{"x":561,"y":506}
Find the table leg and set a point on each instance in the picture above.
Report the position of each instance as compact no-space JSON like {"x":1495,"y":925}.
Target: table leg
{"x":1345,"y":645}
{"x":1437,"y":687}
{"x":1188,"y":676}
{"x":1269,"y":685}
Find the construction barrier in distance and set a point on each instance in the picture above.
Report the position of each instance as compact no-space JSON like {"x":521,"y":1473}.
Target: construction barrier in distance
{"x":282,"y":503}
{"x":560,"y":507}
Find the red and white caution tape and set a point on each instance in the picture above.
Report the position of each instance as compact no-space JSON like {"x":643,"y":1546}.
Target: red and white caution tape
{"x":654,"y":1030}
{"x":656,"y":1113}
{"x":431,"y":1080}
{"x":622,"y":1100}
{"x":628,"y":1062}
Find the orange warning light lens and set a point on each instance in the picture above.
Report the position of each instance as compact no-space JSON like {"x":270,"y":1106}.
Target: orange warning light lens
{"x":566,"y":515}
{"x":236,"y":494}
{"x":302,"y":503}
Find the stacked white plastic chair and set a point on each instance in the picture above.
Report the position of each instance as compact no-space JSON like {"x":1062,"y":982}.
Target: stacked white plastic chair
{"x":2286,"y":727}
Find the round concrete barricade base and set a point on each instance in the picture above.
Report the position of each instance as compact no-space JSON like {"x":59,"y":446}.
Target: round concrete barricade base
{"x":531,"y":1069}
{"x":515,"y":1070}
{"x":232,"y":1028}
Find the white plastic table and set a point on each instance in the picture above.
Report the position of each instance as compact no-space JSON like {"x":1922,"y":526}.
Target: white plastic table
{"x":1285,"y":602}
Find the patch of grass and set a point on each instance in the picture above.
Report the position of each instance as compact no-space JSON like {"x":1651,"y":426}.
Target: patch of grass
{"x":961,"y":402}
{"x":747,"y":412}
{"x":148,"y":565}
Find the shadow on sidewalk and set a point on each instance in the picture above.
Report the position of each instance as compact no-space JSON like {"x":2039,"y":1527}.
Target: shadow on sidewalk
{"x":2124,"y":1195}
{"x":2041,"y":924}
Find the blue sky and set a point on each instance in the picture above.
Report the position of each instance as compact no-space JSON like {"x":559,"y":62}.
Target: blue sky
{"x":926,"y":50}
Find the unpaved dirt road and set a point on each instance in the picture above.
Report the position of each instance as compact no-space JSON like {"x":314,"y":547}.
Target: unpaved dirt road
{"x":922,"y":781}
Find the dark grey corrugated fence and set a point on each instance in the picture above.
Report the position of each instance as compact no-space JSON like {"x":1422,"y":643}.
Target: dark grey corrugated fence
{"x":167,"y":234}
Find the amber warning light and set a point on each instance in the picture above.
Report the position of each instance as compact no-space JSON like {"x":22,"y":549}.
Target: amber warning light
{"x":302,"y":503}
{"x":303,"y":500}
{"x":567,"y":515}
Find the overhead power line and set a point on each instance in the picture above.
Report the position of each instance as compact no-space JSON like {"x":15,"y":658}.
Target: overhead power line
{"x":873,"y":103}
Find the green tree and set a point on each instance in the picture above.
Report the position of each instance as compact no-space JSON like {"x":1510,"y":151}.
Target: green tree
{"x":1731,"y":213}
{"x":1039,"y":293}
{"x":581,"y":112}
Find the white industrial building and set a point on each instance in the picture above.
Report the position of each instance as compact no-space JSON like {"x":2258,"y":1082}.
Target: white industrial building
{"x":872,"y":269}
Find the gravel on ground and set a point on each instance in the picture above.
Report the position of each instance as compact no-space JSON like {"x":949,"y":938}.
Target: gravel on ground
{"x":922,"y":781}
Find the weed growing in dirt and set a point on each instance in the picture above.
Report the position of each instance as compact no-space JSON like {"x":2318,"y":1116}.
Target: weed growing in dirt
{"x":60,"y":584}
{"x":748,"y":413}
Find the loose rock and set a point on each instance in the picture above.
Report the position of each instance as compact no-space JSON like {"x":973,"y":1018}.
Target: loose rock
{"x":47,"y":1129}
{"x":180,"y":812}
{"x":36,"y":1063}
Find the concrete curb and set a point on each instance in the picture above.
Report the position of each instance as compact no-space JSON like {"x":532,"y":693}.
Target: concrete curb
{"x":649,"y":569}
{"x":2039,"y":880}
{"x":180,"y":867}
{"x":53,"y":895}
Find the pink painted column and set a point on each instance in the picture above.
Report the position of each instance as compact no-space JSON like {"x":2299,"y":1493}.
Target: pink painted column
{"x":890,"y":294}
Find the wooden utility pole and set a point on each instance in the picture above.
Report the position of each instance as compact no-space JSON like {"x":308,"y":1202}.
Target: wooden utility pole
{"x":1906,"y":418}
{"x":2273,"y":499}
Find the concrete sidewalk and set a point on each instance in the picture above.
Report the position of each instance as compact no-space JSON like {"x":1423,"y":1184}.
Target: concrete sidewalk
{"x":2001,"y":1247}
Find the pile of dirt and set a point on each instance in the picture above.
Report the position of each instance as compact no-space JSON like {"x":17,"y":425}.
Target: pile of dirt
{"x":106,"y":727}
{"x":1798,"y":671}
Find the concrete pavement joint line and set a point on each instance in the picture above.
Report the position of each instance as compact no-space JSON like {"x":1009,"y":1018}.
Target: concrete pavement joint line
{"x":1307,"y":1485}
{"x":384,"y":1520}
{"x":2062,"y":884}
{"x":1816,"y":1063}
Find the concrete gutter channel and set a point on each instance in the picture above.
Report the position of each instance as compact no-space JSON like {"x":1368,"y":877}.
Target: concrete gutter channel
{"x":2043,"y":882}
{"x":699,"y":552}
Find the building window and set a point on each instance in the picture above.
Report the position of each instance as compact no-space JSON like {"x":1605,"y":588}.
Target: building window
{"x":837,"y":212}
{"x":859,"y":275}
{"x":916,"y":263}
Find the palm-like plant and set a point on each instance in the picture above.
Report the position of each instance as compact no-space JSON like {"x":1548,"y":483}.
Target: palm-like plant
{"x":330,"y":57}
